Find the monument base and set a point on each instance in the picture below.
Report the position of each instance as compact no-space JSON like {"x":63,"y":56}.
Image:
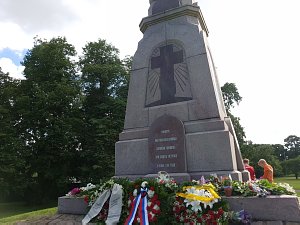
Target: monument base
{"x":72,"y":205}
{"x":271,"y":208}
{"x":283,"y":208}
{"x":181,"y":177}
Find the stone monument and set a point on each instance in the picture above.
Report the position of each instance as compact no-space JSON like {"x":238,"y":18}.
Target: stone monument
{"x":175,"y":117}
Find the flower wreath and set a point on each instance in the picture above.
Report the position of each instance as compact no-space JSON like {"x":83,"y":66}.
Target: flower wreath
{"x":191,"y":205}
{"x":153,"y":203}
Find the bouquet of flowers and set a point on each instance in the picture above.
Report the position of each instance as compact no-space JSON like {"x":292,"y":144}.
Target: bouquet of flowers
{"x":199,"y":205}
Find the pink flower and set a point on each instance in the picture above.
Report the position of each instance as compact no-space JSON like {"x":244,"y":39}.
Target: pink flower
{"x":75,"y":191}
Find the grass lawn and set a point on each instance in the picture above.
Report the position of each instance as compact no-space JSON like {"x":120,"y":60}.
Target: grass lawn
{"x":15,"y":208}
{"x":34,"y":214}
{"x":291,"y":181}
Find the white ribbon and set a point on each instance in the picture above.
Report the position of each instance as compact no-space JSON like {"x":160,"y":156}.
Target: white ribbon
{"x":96,"y":208}
{"x":115,"y":205}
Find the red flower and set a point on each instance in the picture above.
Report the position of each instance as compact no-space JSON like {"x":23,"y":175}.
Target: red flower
{"x":156,"y":211}
{"x":199,"y":220}
{"x":152,"y":188}
{"x":155,"y":197}
{"x":157,"y":202}
{"x":86,"y":199}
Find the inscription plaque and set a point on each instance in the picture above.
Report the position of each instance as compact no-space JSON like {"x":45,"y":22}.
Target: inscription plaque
{"x":167,"y":145}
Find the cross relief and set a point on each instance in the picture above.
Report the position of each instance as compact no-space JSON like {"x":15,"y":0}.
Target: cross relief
{"x":168,"y":78}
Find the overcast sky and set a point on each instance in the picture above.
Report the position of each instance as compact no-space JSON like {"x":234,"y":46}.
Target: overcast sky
{"x":255,"y":44}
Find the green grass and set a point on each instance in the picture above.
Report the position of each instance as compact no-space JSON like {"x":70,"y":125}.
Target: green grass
{"x":15,"y":208}
{"x":291,"y":181}
{"x":30,"y":215}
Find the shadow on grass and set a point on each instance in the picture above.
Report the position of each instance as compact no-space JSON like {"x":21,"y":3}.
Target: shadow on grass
{"x":28,"y":216}
{"x":15,"y":208}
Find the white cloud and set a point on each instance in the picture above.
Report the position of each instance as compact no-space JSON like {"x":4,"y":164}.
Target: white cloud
{"x":35,"y":15}
{"x":13,"y":37}
{"x":8,"y":66}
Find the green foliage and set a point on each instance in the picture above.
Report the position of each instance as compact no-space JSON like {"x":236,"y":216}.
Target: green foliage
{"x":104,"y":83}
{"x":60,"y":124}
{"x":292,"y":146}
{"x":231,"y":97}
{"x":276,"y":188}
{"x":47,"y":109}
{"x":280,"y":152}
{"x":239,"y":130}
{"x":242,"y":189}
{"x":11,"y":161}
{"x":292,"y":166}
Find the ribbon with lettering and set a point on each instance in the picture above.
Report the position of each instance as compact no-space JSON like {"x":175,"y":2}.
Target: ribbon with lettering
{"x":139,"y":205}
{"x":115,"y":206}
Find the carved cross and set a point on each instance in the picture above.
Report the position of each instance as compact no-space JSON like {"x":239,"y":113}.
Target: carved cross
{"x":165,"y":62}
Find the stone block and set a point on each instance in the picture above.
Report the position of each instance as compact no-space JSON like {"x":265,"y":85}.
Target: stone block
{"x":271,"y":208}
{"x":130,"y":134}
{"x":204,"y":126}
{"x":153,"y":37}
{"x":274,"y":223}
{"x":258,"y":223}
{"x":206,"y":104}
{"x":178,"y":110}
{"x":188,"y":33}
{"x":132,"y":157}
{"x":210,"y":151}
{"x":136,"y":114}
{"x":71,"y":205}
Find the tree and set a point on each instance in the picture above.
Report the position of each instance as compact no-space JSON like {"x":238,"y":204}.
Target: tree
{"x":280,"y":152}
{"x":231,"y":97}
{"x":292,"y":166}
{"x":48,"y":121}
{"x":104,"y":84}
{"x":292,"y":146}
{"x":11,"y":162}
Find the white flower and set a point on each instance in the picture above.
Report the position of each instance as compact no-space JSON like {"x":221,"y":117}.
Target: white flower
{"x":144,"y":184}
{"x":150,"y":193}
{"x":135,"y":193}
{"x":195,"y":205}
{"x":156,"y":207}
{"x":90,"y":186}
